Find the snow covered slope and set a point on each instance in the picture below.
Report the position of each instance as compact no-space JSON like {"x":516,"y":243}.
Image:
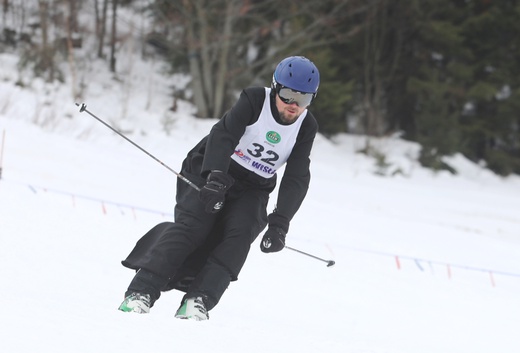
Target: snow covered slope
{"x":424,"y":263}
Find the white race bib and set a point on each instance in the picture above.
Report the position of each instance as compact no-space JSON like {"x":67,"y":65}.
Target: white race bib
{"x":266,"y":145}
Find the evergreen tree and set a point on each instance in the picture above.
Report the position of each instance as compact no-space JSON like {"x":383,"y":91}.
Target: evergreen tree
{"x":492,"y":126}
{"x":437,"y":83}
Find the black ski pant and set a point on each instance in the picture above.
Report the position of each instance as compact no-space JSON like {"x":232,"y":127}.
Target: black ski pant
{"x":229,"y":234}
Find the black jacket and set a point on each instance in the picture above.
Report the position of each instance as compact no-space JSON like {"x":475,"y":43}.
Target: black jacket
{"x":220,"y":144}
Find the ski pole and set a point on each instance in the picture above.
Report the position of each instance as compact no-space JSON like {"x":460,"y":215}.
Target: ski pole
{"x":83,"y":108}
{"x":329,"y":262}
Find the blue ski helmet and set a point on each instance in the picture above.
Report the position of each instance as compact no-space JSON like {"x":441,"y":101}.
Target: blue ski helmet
{"x":297,"y":73}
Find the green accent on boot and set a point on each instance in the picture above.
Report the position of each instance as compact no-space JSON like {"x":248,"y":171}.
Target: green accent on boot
{"x":124,"y":307}
{"x":182,"y":310}
{"x":136,"y":303}
{"x":193,"y":309}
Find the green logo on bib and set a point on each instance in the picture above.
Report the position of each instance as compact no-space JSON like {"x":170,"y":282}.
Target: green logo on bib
{"x":273,"y":137}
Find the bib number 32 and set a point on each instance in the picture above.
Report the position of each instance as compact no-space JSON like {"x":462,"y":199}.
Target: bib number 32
{"x":268,"y":156}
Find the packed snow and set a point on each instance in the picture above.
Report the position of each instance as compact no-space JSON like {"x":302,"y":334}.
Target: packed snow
{"x":425,"y":262}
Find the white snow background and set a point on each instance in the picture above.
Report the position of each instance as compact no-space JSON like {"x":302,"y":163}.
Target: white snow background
{"x":425,"y":262}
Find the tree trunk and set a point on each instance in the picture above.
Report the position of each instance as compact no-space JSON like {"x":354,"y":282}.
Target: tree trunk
{"x":113,"y":37}
{"x":194,"y":57}
{"x":46,"y":63}
{"x":101,"y":25}
{"x":196,"y":76}
{"x":71,"y":24}
{"x":73,"y":16}
{"x":222,"y":70}
{"x":5,"y":9}
{"x":205,"y":57}
{"x":373,"y":93}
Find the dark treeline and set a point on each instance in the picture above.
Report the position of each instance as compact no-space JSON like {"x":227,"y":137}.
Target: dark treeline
{"x":444,"y":73}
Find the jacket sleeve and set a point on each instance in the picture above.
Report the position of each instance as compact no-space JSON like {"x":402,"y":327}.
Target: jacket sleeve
{"x":226,"y":133}
{"x":297,"y":176}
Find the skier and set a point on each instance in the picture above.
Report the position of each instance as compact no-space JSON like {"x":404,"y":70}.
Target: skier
{"x":235,"y":167}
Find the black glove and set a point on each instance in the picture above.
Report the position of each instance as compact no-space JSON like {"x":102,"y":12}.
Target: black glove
{"x":274,"y":239}
{"x":213,"y":193}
